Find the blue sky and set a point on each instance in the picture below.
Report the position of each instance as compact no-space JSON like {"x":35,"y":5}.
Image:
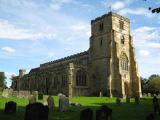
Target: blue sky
{"x":33,"y":32}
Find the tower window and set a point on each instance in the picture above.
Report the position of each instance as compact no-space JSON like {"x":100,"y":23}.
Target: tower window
{"x":121,"y":24}
{"x":101,"y":27}
{"x":122,"y":39}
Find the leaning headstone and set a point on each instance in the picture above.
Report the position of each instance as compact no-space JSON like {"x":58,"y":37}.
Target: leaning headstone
{"x":127,"y":99}
{"x":63,"y":103}
{"x":36,"y":111}
{"x":32,"y":99}
{"x":118,"y":101}
{"x":50,"y":102}
{"x":10,"y":107}
{"x":86,"y":114}
{"x":137,"y":99}
{"x":40,"y":96}
{"x":104,"y":113}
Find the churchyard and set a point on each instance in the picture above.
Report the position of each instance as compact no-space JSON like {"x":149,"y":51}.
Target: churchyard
{"x":121,"y":110}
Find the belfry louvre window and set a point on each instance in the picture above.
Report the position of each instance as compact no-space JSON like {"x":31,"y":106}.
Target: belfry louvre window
{"x":101,"y":27}
{"x":81,"y":78}
{"x":124,"y":62}
{"x":122,"y":39}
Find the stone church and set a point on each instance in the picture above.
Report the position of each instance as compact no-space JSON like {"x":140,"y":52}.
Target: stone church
{"x":108,"y":67}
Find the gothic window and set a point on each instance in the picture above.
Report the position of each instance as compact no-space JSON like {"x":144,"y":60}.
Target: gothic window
{"x":122,"y":39}
{"x":64,"y":80}
{"x":81,"y":78}
{"x":123,"y":62}
{"x":101,"y":27}
{"x":121,"y":24}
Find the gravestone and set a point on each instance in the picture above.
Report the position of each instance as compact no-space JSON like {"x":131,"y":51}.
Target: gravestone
{"x":15,"y":93}
{"x":35,"y":93}
{"x":86,"y":114}
{"x":118,"y":101}
{"x":144,"y":95}
{"x":63,"y":103}
{"x":104,"y":113}
{"x":32,"y":99}
{"x":137,"y":99}
{"x":50,"y":102}
{"x":40,"y":96}
{"x":149,"y":94}
{"x":24,"y":94}
{"x":155,"y":104}
{"x":7,"y":92}
{"x":127,"y":99}
{"x":10,"y":107}
{"x":36,"y":111}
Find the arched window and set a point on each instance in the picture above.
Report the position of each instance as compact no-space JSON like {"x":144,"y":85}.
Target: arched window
{"x":124,"y":62}
{"x":81,"y":78}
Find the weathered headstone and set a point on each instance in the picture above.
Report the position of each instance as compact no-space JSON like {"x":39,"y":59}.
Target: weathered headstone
{"x":7,"y":92}
{"x":149,"y":94}
{"x":118,"y":101}
{"x":35,"y":93}
{"x":104,"y":113}
{"x":144,"y":95}
{"x":50,"y":102}
{"x":63,"y":103}
{"x":32,"y":99}
{"x":36,"y":111}
{"x":86,"y":114}
{"x":15,"y":93}
{"x":24,"y":94}
{"x":137,"y":99}
{"x":10,"y":107}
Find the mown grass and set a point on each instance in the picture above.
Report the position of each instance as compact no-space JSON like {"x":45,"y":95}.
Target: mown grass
{"x":126,"y":111}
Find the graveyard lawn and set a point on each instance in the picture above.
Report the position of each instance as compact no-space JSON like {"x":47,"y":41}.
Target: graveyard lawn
{"x":124,"y":111}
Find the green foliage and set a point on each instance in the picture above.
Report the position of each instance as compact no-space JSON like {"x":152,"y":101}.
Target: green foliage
{"x":152,"y":84}
{"x":2,"y":80}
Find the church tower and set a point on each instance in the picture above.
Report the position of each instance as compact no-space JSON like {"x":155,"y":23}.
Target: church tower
{"x":113,"y":69}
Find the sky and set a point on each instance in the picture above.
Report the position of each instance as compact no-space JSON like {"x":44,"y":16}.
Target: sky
{"x":33,"y":32}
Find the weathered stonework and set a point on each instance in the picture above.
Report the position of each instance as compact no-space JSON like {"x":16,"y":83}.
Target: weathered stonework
{"x":108,"y":67}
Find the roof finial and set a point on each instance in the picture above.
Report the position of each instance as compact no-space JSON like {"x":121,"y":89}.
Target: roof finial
{"x":110,"y":5}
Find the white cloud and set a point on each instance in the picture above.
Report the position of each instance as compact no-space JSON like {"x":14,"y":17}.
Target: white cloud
{"x":136,"y":11}
{"x":8,"y":49}
{"x":147,"y":36}
{"x":10,"y":31}
{"x":118,"y":5}
{"x":144,"y":53}
{"x":57,"y":4}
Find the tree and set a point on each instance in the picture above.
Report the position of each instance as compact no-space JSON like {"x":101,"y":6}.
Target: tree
{"x":153,"y":84}
{"x":2,"y":80}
